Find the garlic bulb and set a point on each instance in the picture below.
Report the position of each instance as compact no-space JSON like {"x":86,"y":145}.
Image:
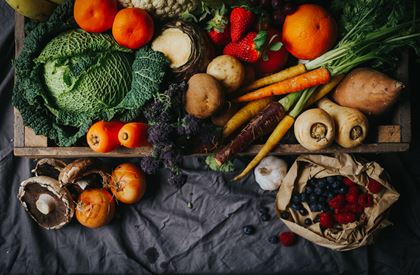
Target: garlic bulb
{"x":270,"y":173}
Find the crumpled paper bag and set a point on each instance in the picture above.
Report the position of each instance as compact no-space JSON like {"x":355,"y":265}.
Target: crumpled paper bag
{"x":352,"y":235}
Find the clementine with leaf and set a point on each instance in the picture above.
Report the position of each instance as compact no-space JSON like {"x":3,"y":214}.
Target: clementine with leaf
{"x":95,"y":15}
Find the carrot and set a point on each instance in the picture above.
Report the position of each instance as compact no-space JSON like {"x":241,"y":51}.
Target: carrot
{"x":323,"y":90}
{"x":294,"y":84}
{"x":280,"y":76}
{"x":259,"y":126}
{"x":103,"y":136}
{"x":244,"y":115}
{"x":273,"y":140}
{"x":133,"y":134}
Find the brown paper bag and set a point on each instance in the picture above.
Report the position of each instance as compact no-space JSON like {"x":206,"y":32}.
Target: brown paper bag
{"x":351,"y":235}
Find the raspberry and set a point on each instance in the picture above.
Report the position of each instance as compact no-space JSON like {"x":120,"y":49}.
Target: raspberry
{"x":326,"y":220}
{"x":365,"y":200}
{"x":353,"y":190}
{"x":374,"y":186}
{"x":344,"y":218}
{"x":337,"y":202}
{"x":287,"y":238}
{"x":352,"y":198}
{"x":348,"y":182}
{"x":354,"y":208}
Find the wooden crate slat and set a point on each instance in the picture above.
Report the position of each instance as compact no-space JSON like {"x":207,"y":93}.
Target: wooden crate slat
{"x":403,"y":108}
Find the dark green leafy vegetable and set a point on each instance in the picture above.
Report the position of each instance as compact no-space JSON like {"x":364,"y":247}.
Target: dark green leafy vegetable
{"x":67,"y":78}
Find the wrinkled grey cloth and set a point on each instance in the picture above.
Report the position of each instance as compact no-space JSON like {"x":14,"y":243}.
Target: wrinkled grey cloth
{"x":163,"y":234}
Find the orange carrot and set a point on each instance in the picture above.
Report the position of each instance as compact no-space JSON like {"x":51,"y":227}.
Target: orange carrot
{"x":323,"y":90}
{"x":294,"y":84}
{"x":280,"y":76}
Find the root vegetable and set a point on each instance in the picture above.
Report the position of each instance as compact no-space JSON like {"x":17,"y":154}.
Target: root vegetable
{"x":351,"y":124}
{"x":260,"y":126}
{"x":223,"y":116}
{"x":270,"y":173}
{"x":186,"y":46}
{"x":367,"y":90}
{"x":204,"y":96}
{"x":103,"y":136}
{"x":244,"y":115}
{"x":95,"y":208}
{"x":133,"y":135}
{"x":128,"y":183}
{"x":228,"y":70}
{"x":314,"y":129}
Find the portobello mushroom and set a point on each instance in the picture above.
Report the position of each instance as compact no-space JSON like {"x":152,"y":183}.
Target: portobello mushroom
{"x":82,"y":174}
{"x":50,"y":205}
{"x":186,"y":46}
{"x":49,"y":167}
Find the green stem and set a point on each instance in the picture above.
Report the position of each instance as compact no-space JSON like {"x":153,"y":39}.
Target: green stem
{"x":300,"y":105}
{"x":288,"y":101}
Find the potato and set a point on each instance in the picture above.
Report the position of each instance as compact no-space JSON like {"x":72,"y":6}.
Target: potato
{"x":225,"y":113}
{"x":204,"y":96}
{"x":367,"y":90}
{"x":228,"y":70}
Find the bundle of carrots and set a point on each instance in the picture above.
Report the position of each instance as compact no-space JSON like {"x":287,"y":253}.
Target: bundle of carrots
{"x":372,"y":37}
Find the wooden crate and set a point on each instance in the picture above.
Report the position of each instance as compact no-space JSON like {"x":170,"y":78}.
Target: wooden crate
{"x":394,"y":137}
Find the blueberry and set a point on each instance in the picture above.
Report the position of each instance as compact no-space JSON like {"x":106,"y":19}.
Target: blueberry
{"x":312,"y":182}
{"x":309,"y":190}
{"x":315,"y":207}
{"x":343,"y":190}
{"x":265,"y":217}
{"x":327,"y":187}
{"x":248,"y":229}
{"x":316,"y":219}
{"x":273,"y":239}
{"x":312,"y":198}
{"x":325,"y":207}
{"x":335,"y":185}
{"x":339,"y":178}
{"x":263,"y":210}
{"x":296,"y":199}
{"x":331,"y":179}
{"x":322,"y":184}
{"x":303,"y":212}
{"x":303,"y":197}
{"x":308,"y":221}
{"x":320,"y":206}
{"x":285,"y":215}
{"x":318,"y":191}
{"x":296,"y":206}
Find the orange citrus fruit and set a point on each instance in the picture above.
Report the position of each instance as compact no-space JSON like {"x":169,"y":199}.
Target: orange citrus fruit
{"x":309,"y":32}
{"x":95,"y":15}
{"x":133,"y":28}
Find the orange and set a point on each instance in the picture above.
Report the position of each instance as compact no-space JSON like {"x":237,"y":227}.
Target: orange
{"x":133,"y":28}
{"x":95,"y":15}
{"x":309,"y":32}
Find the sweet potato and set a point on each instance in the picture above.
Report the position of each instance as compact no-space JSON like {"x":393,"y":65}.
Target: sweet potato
{"x":367,"y":90}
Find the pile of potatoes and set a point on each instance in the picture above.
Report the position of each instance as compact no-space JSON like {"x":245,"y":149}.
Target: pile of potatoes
{"x":207,"y":93}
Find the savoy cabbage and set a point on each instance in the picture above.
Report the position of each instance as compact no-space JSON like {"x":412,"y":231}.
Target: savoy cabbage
{"x":67,"y":78}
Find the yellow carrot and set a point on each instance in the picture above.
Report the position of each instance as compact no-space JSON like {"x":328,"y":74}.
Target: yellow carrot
{"x":244,"y":115}
{"x":323,"y":90}
{"x":273,"y":140}
{"x":280,"y":76}
{"x":294,"y":84}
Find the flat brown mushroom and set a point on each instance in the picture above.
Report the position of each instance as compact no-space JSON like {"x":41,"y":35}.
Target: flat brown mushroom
{"x":50,"y":205}
{"x":49,"y":167}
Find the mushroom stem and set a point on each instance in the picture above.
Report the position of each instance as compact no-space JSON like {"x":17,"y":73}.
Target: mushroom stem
{"x":45,"y":204}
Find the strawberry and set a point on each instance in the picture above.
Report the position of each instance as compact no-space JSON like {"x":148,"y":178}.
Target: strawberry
{"x":374,"y":186}
{"x":274,"y":56}
{"x":326,"y":220}
{"x":337,"y":202}
{"x":287,"y":238}
{"x":218,"y":28}
{"x":241,"y":19}
{"x":249,"y":48}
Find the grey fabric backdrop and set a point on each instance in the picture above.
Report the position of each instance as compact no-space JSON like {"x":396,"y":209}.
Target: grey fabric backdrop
{"x":161,"y":234}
